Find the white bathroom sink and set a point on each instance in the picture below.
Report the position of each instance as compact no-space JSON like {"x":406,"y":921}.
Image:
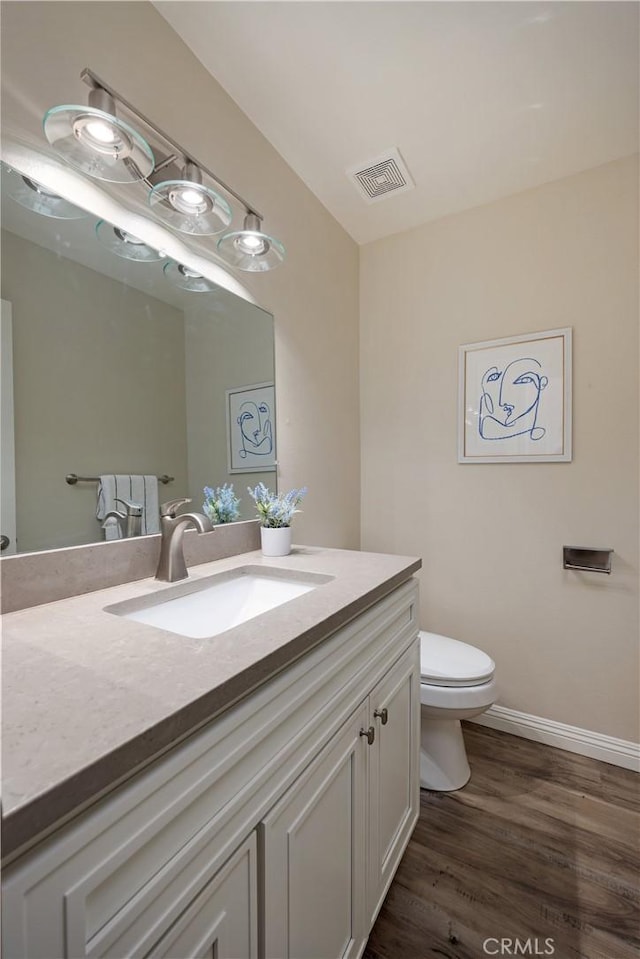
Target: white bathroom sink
{"x":206,"y":607}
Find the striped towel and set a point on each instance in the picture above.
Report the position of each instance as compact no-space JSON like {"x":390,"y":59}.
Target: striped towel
{"x":136,"y":489}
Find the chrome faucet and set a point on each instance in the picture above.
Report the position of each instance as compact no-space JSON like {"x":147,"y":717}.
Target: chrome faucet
{"x":130,"y":521}
{"x":171,"y":566}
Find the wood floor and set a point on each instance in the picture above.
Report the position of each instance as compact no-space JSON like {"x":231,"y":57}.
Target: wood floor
{"x":541,"y":847}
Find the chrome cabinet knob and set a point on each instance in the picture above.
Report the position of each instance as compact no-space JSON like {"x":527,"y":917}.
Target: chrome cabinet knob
{"x":370,"y":733}
{"x":382,"y":715}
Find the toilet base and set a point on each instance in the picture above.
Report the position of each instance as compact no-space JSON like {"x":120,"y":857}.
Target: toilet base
{"x":443,"y":757}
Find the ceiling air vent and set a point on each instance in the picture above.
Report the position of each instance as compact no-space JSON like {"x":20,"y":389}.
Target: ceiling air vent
{"x":379,"y":178}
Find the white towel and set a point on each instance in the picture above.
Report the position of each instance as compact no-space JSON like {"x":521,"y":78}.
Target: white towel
{"x":136,"y":489}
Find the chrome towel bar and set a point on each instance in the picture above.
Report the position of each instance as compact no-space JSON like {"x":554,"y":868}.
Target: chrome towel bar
{"x":72,"y":479}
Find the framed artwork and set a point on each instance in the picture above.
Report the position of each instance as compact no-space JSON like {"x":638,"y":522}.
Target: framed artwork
{"x":514,"y":399}
{"x":251,"y":445}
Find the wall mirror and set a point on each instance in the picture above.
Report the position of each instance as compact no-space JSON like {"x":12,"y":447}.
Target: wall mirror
{"x":117,"y":366}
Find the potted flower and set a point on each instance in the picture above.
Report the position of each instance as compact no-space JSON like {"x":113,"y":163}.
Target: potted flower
{"x":221,"y":504}
{"x":275,"y":512}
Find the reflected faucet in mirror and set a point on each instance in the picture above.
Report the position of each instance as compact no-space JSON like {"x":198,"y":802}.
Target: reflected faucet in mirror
{"x":171,"y":566}
{"x":129,"y":521}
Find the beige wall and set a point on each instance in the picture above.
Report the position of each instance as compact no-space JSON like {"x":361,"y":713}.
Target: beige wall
{"x":97,"y":365}
{"x":314,"y":296}
{"x":491,"y":536}
{"x":223,"y":350}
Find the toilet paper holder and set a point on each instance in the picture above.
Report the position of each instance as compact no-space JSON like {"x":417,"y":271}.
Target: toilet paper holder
{"x":587,"y":558}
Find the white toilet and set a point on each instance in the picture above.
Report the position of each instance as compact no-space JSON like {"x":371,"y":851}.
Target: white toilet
{"x":456,"y":683}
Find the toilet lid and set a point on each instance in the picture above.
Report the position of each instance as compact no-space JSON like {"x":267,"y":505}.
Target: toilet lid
{"x":448,"y":662}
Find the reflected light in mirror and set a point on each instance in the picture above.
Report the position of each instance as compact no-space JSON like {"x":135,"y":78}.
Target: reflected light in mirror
{"x":125,"y":244}
{"x":187,"y":279}
{"x":37,"y":198}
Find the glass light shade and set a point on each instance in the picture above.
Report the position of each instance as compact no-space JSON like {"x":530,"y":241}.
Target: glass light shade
{"x":98,"y":143}
{"x":187,"y":279}
{"x":40,"y":200}
{"x":126,"y":244}
{"x":251,"y":250}
{"x":190,"y":207}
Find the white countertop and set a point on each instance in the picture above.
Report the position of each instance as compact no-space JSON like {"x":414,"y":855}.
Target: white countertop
{"x":89,"y":697}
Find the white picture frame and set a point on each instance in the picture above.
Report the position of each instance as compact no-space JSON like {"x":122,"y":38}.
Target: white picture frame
{"x":514,"y":399}
{"x":251,"y":440}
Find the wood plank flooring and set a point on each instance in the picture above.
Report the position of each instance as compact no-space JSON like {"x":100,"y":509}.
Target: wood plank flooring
{"x":541,"y":847}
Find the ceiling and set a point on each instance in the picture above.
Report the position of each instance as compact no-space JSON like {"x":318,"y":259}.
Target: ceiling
{"x":482,"y":99}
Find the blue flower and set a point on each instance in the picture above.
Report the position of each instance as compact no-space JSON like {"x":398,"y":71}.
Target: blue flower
{"x":276,"y":509}
{"x":221,"y":504}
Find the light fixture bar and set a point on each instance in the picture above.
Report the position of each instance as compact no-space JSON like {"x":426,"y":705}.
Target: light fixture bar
{"x":95,"y":83}
{"x":167,"y":161}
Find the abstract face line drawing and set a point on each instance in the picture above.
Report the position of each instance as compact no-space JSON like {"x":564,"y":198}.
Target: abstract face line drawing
{"x":251,"y":428}
{"x":515,"y":399}
{"x":510,"y":400}
{"x":256,"y":437}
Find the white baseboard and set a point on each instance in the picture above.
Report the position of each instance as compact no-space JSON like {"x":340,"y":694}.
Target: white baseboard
{"x":618,"y":752}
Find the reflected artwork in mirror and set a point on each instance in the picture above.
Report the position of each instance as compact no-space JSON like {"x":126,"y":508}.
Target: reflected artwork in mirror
{"x":117,"y":370}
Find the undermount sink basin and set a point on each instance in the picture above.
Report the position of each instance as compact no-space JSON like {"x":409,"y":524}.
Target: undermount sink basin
{"x":206,"y":607}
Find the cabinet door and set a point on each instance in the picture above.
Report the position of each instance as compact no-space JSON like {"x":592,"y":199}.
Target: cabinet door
{"x":221,"y":921}
{"x":394,"y":786}
{"x":314,"y":854}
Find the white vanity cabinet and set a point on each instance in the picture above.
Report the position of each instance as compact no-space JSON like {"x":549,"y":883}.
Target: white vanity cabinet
{"x":333,"y":842}
{"x":272,"y":832}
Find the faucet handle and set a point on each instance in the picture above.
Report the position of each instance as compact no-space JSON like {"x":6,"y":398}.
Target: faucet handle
{"x":133,"y":509}
{"x":170,"y":508}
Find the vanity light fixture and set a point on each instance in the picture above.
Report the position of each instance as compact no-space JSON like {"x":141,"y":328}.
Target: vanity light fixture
{"x":104,"y":145}
{"x":187,"y":279}
{"x":125,"y":244}
{"x":39,"y":199}
{"x":190,"y":206}
{"x":250,"y":249}
{"x":95,"y":141}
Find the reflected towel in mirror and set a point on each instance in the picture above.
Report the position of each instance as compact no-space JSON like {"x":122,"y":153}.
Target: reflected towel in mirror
{"x":136,"y":489}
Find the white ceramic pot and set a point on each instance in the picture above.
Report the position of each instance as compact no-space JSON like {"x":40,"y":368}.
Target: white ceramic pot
{"x":276,"y":542}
